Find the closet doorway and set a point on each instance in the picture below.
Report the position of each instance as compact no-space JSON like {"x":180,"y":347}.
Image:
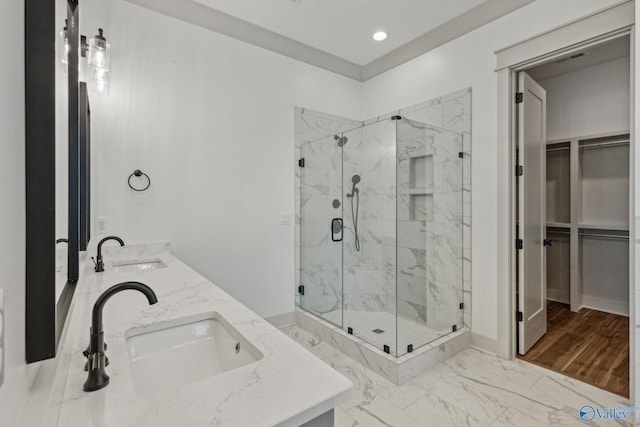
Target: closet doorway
{"x":572,"y":209}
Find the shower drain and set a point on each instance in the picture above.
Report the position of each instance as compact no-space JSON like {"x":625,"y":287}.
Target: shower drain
{"x":378,"y":331}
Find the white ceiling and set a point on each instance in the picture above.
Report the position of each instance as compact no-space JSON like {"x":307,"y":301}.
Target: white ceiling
{"x":605,"y":52}
{"x":344,"y":27}
{"x":336,"y":34}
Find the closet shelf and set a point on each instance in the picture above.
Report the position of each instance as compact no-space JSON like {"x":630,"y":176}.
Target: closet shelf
{"x":558,"y":224}
{"x":613,"y":227}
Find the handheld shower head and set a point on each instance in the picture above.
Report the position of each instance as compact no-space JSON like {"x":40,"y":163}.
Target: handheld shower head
{"x":355,"y":179}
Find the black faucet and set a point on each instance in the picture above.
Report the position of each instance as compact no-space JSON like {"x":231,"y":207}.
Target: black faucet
{"x":99,"y":263}
{"x":98,"y":377}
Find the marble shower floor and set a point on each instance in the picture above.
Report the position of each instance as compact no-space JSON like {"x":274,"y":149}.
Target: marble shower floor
{"x":472,"y":388}
{"x":365,"y":322}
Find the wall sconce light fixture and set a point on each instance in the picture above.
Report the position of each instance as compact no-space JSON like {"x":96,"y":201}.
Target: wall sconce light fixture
{"x":64,"y":42}
{"x":98,"y":54}
{"x":99,"y":61}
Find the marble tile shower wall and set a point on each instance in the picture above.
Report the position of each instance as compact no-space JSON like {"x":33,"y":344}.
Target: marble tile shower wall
{"x":429,"y":179}
{"x":451,"y":112}
{"x":415,"y":215}
{"x":314,"y":140}
{"x":433,"y":276}
{"x":369,"y":274}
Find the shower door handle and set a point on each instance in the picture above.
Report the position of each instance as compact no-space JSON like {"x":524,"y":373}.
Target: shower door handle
{"x":336,"y":229}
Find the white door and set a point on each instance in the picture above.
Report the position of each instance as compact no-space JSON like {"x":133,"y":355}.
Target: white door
{"x":532,"y":277}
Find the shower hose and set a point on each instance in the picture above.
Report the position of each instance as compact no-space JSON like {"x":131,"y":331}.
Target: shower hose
{"x":354,"y":217}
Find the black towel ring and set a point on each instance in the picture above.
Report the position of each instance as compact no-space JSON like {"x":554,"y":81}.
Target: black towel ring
{"x":139,"y":173}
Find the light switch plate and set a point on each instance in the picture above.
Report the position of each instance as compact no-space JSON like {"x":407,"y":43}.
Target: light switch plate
{"x":102,"y":225}
{"x":1,"y":337}
{"x":285,"y":218}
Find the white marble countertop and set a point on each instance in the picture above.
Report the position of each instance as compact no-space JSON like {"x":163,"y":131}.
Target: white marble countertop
{"x":288,"y":386}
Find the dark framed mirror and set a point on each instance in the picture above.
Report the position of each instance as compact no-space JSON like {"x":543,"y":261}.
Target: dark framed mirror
{"x":47,"y":168}
{"x":85,"y":167}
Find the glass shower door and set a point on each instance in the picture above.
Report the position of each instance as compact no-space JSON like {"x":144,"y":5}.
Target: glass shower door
{"x":321,"y":229}
{"x":429,"y":226}
{"x":369,"y":261}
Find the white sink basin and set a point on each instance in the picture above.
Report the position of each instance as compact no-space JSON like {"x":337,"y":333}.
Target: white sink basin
{"x":172,"y":354}
{"x":137,"y":265}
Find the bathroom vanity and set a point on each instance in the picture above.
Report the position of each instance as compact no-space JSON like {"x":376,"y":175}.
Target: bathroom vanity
{"x":198,"y":357}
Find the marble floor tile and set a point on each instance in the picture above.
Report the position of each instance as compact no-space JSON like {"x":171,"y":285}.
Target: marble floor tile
{"x":440,"y":412}
{"x":467,"y":359}
{"x":472,"y":388}
{"x":515,"y":417}
{"x":342,"y":418}
{"x":384,"y":411}
{"x":471,"y":397}
{"x":433,"y":377}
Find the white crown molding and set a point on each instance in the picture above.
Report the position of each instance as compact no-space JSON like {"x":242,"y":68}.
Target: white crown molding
{"x":198,"y":14}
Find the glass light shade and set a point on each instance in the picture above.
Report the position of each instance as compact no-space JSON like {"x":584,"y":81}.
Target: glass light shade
{"x":102,"y":82}
{"x":64,"y":46}
{"x":99,"y":53}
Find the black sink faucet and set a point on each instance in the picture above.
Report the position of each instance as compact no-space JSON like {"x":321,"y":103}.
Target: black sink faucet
{"x":98,"y":377}
{"x":99,"y":262}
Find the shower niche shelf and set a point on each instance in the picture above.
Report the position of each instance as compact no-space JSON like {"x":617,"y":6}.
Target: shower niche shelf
{"x":421,"y":172}
{"x":420,"y":207}
{"x":420,"y":188}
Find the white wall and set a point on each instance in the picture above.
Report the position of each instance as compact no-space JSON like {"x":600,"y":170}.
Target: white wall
{"x":470,"y":61}
{"x":211,"y":120}
{"x":18,"y":376}
{"x":590,"y":101}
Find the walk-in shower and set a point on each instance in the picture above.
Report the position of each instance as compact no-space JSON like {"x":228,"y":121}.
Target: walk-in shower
{"x":381,"y":232}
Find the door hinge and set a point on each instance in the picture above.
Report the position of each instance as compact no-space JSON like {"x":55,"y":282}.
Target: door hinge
{"x":519,"y":244}
{"x":519,"y":170}
{"x":461,"y":154}
{"x":454,"y":328}
{"x":301,"y":290}
{"x":519,"y":97}
{"x":301,"y":162}
{"x":461,"y":306}
{"x":519,"y":316}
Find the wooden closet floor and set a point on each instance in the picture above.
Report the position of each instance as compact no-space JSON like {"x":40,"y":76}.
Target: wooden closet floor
{"x":591,"y":346}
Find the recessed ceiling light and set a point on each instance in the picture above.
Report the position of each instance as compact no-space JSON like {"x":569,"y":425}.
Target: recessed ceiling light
{"x":379,"y":36}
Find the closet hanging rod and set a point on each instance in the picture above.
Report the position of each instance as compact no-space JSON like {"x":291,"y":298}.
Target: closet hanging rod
{"x":605,"y":144}
{"x":558,"y":149}
{"x":604,"y":236}
{"x":558,"y":232}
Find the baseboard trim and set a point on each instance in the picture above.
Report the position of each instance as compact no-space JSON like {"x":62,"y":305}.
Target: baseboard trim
{"x":607,"y":305}
{"x":486,"y":344}
{"x":282,"y":320}
{"x":558,"y":295}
